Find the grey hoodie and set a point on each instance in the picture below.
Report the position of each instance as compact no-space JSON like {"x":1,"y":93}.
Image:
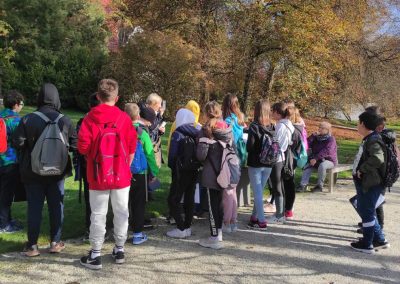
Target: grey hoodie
{"x":210,"y":151}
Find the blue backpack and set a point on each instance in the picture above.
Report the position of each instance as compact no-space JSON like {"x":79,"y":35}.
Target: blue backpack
{"x":139,"y":163}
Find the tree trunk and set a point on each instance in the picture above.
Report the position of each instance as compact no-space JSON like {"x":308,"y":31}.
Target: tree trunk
{"x":269,"y":81}
{"x":247,"y":79}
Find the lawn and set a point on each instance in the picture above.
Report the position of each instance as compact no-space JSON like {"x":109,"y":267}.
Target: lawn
{"x":74,"y":211}
{"x":390,"y":124}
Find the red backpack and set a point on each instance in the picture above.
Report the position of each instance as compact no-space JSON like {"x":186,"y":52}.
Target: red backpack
{"x":3,"y":136}
{"x":111,"y":159}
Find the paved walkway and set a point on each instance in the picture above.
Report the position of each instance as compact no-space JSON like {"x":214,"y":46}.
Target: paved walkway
{"x":314,"y":248}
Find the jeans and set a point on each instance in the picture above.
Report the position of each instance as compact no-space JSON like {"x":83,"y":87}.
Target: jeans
{"x":8,"y":175}
{"x":258,"y":180}
{"x":366,"y":203}
{"x":322,"y":168}
{"x":99,"y":205}
{"x":54,"y":194}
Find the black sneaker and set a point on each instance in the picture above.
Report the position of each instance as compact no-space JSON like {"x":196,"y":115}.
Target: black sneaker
{"x":257,"y":226}
{"x":91,"y":263}
{"x":301,"y":188}
{"x":118,"y":256}
{"x":361,"y":247}
{"x":317,"y":188}
{"x":378,"y":245}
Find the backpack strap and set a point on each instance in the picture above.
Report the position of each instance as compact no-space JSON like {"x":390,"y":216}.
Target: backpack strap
{"x":46,"y":119}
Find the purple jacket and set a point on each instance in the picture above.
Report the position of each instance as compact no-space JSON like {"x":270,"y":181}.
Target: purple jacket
{"x":323,"y":150}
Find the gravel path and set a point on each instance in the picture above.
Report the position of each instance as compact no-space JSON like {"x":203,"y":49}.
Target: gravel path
{"x":313,"y":248}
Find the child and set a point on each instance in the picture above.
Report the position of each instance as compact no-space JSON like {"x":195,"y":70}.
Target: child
{"x":184,"y":167}
{"x":284,"y":132}
{"x":368,"y":166}
{"x":80,"y":168}
{"x":209,"y":153}
{"x":258,"y":172}
{"x":9,"y":169}
{"x":137,"y":195}
{"x":234,"y":118}
{"x":108,"y":140}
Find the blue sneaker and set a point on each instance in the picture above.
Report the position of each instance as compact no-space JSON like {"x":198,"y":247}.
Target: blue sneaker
{"x":12,"y":227}
{"x":137,"y":240}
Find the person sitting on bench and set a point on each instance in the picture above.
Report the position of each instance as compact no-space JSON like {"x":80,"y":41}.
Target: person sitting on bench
{"x":322,"y":156}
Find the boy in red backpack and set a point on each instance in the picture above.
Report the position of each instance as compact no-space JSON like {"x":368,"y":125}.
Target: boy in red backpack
{"x":108,"y":140}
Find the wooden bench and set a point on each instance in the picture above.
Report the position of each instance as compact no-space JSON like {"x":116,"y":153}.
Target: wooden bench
{"x":333,"y":174}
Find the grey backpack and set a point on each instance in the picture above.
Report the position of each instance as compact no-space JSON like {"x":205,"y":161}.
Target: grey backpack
{"x":229,"y":174}
{"x":49,"y":156}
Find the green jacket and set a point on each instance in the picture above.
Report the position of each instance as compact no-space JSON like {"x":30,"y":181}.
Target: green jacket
{"x":144,"y":137}
{"x":372,"y":164}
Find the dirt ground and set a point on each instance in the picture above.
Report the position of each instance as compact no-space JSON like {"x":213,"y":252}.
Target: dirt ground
{"x":338,"y":133}
{"x":313,"y":248}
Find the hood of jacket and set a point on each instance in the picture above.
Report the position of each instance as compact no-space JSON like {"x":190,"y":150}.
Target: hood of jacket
{"x":188,"y":129}
{"x":223,"y":134}
{"x":184,"y":116}
{"x":388,"y":136}
{"x":48,"y":96}
{"x":194,"y":107}
{"x":259,"y":129}
{"x":104,"y":113}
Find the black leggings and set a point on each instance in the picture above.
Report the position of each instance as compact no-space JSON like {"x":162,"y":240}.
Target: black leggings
{"x":184,"y":184}
{"x":216,"y":210}
{"x":137,"y":200}
{"x":278,"y":190}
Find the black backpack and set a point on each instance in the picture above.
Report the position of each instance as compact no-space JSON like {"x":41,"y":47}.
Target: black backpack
{"x":392,"y":158}
{"x":186,"y":160}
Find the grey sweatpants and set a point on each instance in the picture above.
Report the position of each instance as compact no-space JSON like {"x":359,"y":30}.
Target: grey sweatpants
{"x":322,"y":168}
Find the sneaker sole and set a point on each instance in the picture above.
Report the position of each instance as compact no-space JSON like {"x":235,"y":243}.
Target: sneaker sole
{"x":177,"y":237}
{"x":257,"y":228}
{"x":364,"y":250}
{"x":119,"y":261}
{"x":91,"y":266}
{"x":382,"y":247}
{"x":139,"y":242}
{"x":214,"y":246}
{"x":34,"y":255}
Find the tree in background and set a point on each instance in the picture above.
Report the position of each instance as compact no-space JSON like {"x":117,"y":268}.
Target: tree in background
{"x":59,"y":41}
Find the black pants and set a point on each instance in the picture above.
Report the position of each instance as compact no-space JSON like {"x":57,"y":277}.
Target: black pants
{"x":137,"y":201}
{"x":216,"y":210}
{"x":290,"y":191}
{"x":8,"y":176}
{"x":184,"y":184}
{"x":88,"y":211}
{"x":278,"y":189}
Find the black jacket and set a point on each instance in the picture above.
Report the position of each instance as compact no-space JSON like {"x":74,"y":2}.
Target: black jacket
{"x":254,"y":143}
{"x":32,"y":126}
{"x":179,"y":134}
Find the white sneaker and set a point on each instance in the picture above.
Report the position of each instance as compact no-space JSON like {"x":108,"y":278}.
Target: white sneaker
{"x":220,"y":235}
{"x":177,"y":234}
{"x":276,"y":220}
{"x":234,"y":227}
{"x":188,"y":232}
{"x":211,"y":242}
{"x":226,"y":228}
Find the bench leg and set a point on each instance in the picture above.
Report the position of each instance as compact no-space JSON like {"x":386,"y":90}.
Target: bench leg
{"x":331,"y":181}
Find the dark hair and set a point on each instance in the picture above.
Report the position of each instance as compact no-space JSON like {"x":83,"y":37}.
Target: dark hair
{"x":12,"y":98}
{"x":107,"y":89}
{"x":370,"y":120}
{"x":230,"y":106}
{"x":262,"y":111}
{"x":378,"y":111}
{"x":93,"y":100}
{"x":281,"y":109}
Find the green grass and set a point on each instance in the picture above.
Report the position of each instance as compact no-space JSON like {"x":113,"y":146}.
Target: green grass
{"x":74,"y":212}
{"x":391,"y":124}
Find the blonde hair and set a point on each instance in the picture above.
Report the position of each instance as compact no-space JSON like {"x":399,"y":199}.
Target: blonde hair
{"x":107,"y":90}
{"x":294,"y":115}
{"x":153,"y":99}
{"x":132,"y":110}
{"x":326,"y":125}
{"x":212,"y":113}
{"x":262,"y":112}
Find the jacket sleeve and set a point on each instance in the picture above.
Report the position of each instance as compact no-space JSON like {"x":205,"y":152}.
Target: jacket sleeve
{"x":250,"y":140}
{"x":375,"y":160}
{"x":85,"y":137}
{"x":328,"y":151}
{"x":18,"y":138}
{"x":149,"y":153}
{"x":173,"y":149}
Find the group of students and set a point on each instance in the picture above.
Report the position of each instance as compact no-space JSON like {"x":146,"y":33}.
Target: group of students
{"x":118,"y":154}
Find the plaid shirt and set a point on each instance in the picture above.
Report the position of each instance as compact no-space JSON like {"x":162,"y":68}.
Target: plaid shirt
{"x":12,"y":120}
